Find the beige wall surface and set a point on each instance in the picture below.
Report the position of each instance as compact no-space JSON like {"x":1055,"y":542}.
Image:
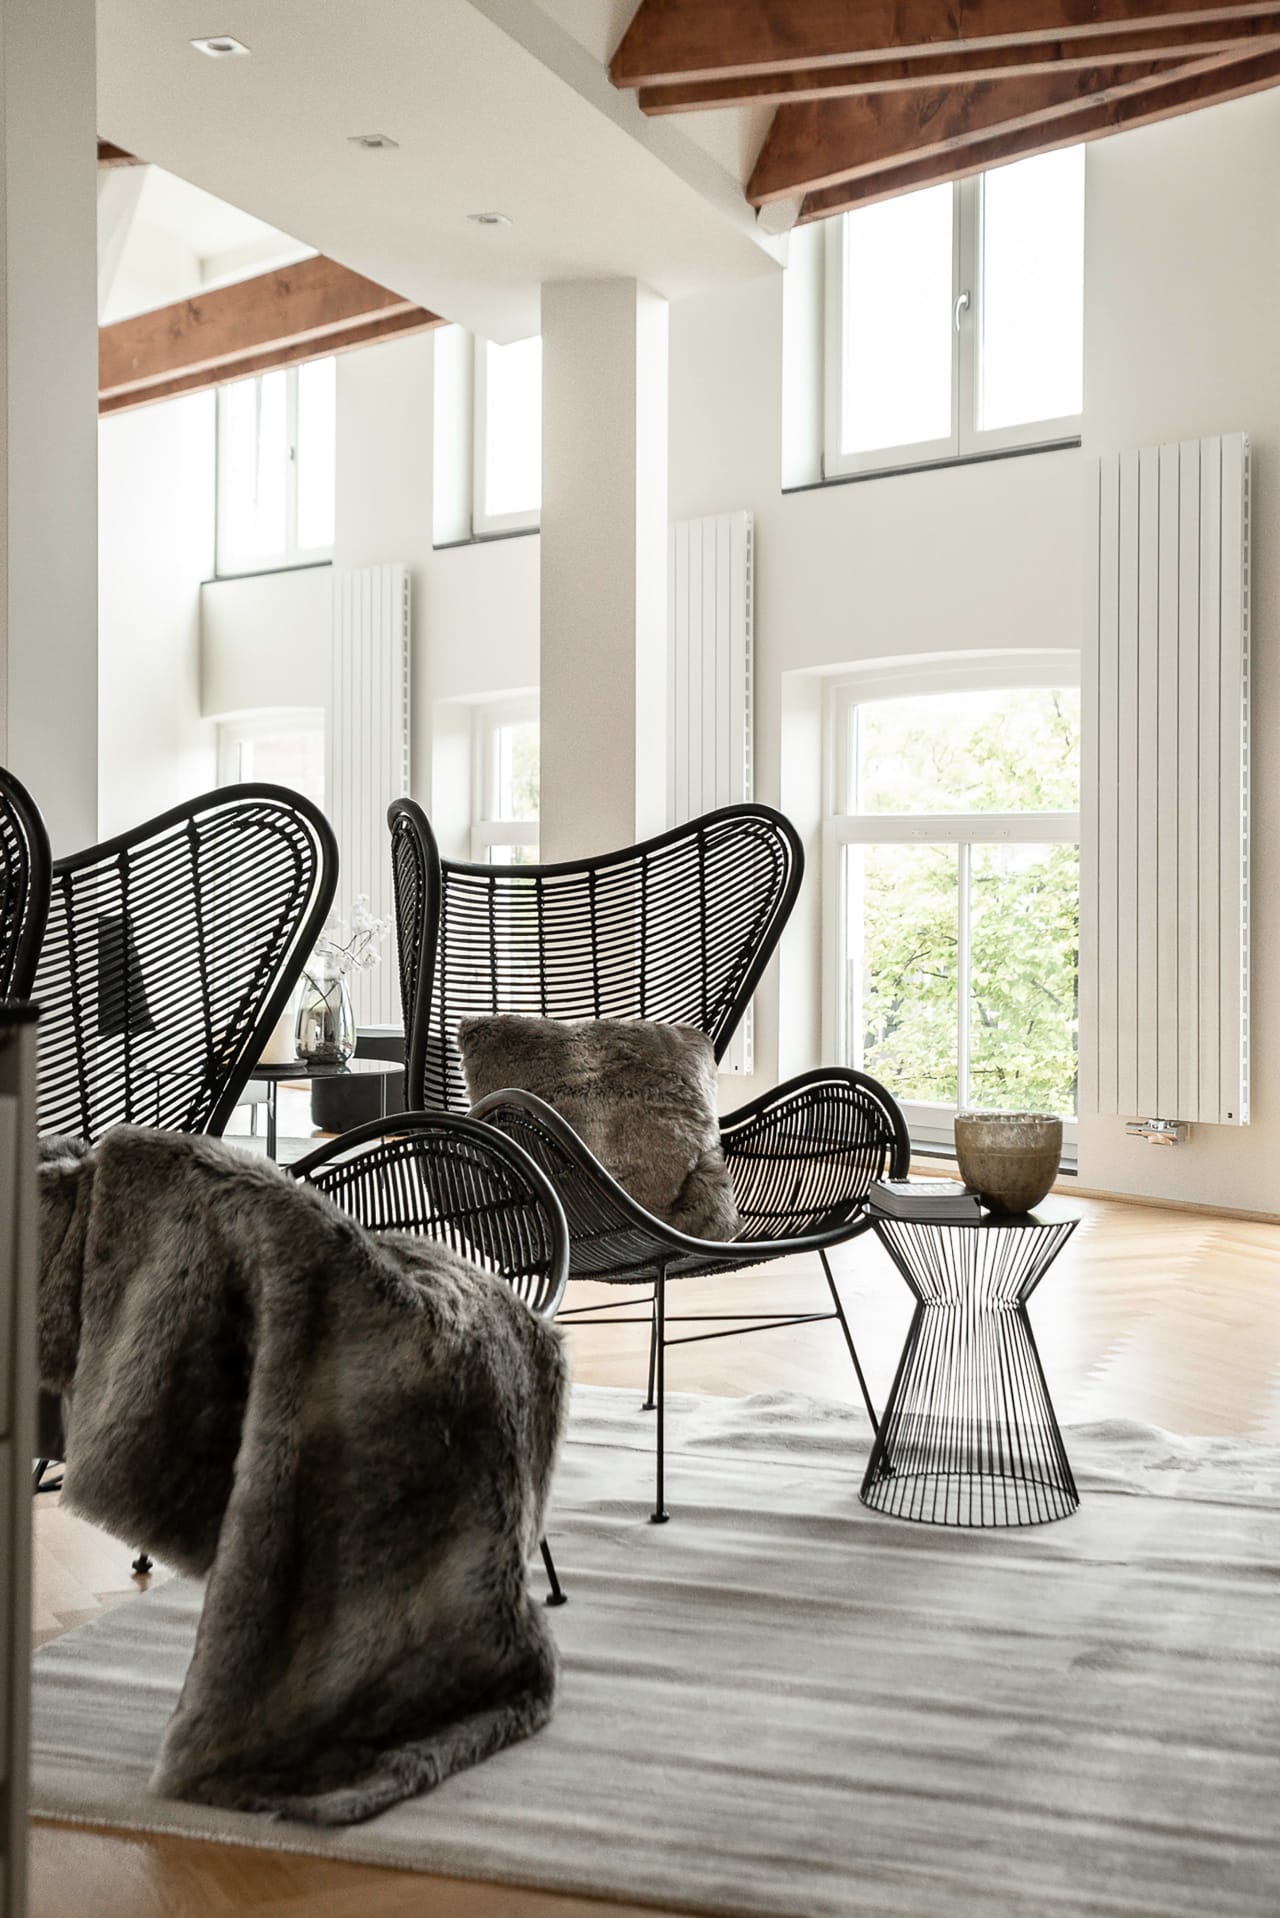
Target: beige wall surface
{"x":1183,"y":277}
{"x":155,"y":545}
{"x":48,"y":412}
{"x":264,"y":640}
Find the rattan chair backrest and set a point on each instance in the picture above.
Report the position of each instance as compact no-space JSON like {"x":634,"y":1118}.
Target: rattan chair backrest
{"x":169,"y":956}
{"x":678,"y":928}
{"x":24,"y":887}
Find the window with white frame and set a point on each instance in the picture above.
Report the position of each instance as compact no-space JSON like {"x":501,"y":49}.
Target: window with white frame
{"x":505,"y":763}
{"x":283,"y":747}
{"x":955,"y":319}
{"x":507,"y":446}
{"x":276,"y":448}
{"x":951,"y":888}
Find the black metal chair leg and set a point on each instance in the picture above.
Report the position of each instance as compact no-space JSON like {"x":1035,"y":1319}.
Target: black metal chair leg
{"x":142,"y":1564}
{"x":653,"y":1352}
{"x":660,"y":1514}
{"x":556,"y":1596}
{"x":848,"y":1339}
{"x":37,"y":1477}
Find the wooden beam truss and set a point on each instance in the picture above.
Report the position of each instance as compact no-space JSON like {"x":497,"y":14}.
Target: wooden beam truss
{"x":876,"y":97}
{"x":297,"y":313}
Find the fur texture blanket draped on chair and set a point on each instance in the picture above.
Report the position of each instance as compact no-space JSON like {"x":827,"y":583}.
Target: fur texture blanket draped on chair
{"x":351,"y":1435}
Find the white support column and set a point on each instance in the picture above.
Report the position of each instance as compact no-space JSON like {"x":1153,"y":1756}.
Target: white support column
{"x":49,"y":412}
{"x":604,"y":566}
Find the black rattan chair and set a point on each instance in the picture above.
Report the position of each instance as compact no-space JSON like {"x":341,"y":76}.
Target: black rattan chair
{"x":169,"y":955}
{"x":464,"y":1184}
{"x":679,"y":928}
{"x":24,"y":887}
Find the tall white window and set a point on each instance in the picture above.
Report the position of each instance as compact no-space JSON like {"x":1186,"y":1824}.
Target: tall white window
{"x":507,"y":451}
{"x":276,"y":468}
{"x":955,"y":319}
{"x":283,"y":747}
{"x":951,"y":887}
{"x":505,"y":762}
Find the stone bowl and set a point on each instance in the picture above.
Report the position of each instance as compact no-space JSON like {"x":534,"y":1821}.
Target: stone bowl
{"x":1009,"y":1158}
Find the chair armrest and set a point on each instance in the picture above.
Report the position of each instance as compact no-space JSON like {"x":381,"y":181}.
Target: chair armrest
{"x":609,"y":1232}
{"x":803,"y":1156}
{"x":445,"y":1177}
{"x":800,"y":1158}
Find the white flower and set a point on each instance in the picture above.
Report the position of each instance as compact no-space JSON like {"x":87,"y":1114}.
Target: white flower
{"x":351,"y":944}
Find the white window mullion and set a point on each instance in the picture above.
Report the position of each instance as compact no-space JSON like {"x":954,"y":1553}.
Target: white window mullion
{"x":964,"y":975}
{"x":854,"y":967}
{"x":968,"y":327}
{"x":833,"y":255}
{"x":291,"y":479}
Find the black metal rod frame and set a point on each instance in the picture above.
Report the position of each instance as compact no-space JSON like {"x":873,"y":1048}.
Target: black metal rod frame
{"x":969,"y":1435}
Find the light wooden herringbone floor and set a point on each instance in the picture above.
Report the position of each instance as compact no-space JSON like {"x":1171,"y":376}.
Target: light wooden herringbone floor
{"x":1172,"y":1317}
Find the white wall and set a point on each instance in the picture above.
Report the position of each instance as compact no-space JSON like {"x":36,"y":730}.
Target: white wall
{"x":264,"y":640}
{"x":1183,"y":262}
{"x":475,"y":608}
{"x":48,"y":410}
{"x":155,"y":543}
{"x":603,"y":659}
{"x":1182,"y":288}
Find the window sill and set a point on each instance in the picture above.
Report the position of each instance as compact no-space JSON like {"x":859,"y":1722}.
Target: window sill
{"x":939,"y":466}
{"x":266,"y":572}
{"x":485,"y":539}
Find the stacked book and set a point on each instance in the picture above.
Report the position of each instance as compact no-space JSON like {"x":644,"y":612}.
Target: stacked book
{"x":939,"y":1201}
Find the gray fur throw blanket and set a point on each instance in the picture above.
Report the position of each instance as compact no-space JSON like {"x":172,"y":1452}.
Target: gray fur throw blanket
{"x":349,"y":1435}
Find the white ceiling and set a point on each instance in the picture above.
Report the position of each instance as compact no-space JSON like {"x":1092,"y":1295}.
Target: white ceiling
{"x":500,"y":105}
{"x":177,"y":241}
{"x":210,"y":227}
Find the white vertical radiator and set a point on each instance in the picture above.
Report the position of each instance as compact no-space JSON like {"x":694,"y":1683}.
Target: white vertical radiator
{"x":367,"y":754}
{"x":1164,"y":974}
{"x":709,"y":706}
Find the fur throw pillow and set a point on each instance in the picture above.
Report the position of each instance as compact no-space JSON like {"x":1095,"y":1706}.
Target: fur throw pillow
{"x":641,"y":1096}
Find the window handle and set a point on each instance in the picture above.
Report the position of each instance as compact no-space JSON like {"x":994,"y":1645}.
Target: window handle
{"x":962,"y":306}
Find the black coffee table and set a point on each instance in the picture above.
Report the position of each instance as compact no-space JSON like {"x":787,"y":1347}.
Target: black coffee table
{"x":969,"y":1435}
{"x":274,"y":1076}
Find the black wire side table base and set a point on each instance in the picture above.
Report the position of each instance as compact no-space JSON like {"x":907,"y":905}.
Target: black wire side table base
{"x":969,"y":1436}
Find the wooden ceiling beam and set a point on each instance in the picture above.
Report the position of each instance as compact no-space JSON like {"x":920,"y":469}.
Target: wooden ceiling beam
{"x":1183,"y":93}
{"x":822,"y":142}
{"x":673,"y":41}
{"x":971,"y":62}
{"x":276,"y":319}
{"x":109,"y":155}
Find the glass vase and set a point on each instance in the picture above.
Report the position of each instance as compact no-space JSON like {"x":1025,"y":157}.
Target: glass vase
{"x":325,"y":1034}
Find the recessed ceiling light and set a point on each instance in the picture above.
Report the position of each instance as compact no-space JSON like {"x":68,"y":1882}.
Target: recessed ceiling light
{"x":219,"y":45}
{"x":490,"y":219}
{"x":374,"y":142}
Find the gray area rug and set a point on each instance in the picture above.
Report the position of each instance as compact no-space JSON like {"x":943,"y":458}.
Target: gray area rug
{"x":783,"y":1704}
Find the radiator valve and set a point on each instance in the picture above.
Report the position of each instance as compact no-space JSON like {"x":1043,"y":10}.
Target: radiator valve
{"x":1158,"y":1131}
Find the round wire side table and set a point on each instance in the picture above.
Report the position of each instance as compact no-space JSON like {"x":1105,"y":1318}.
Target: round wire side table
{"x":969,"y":1435}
